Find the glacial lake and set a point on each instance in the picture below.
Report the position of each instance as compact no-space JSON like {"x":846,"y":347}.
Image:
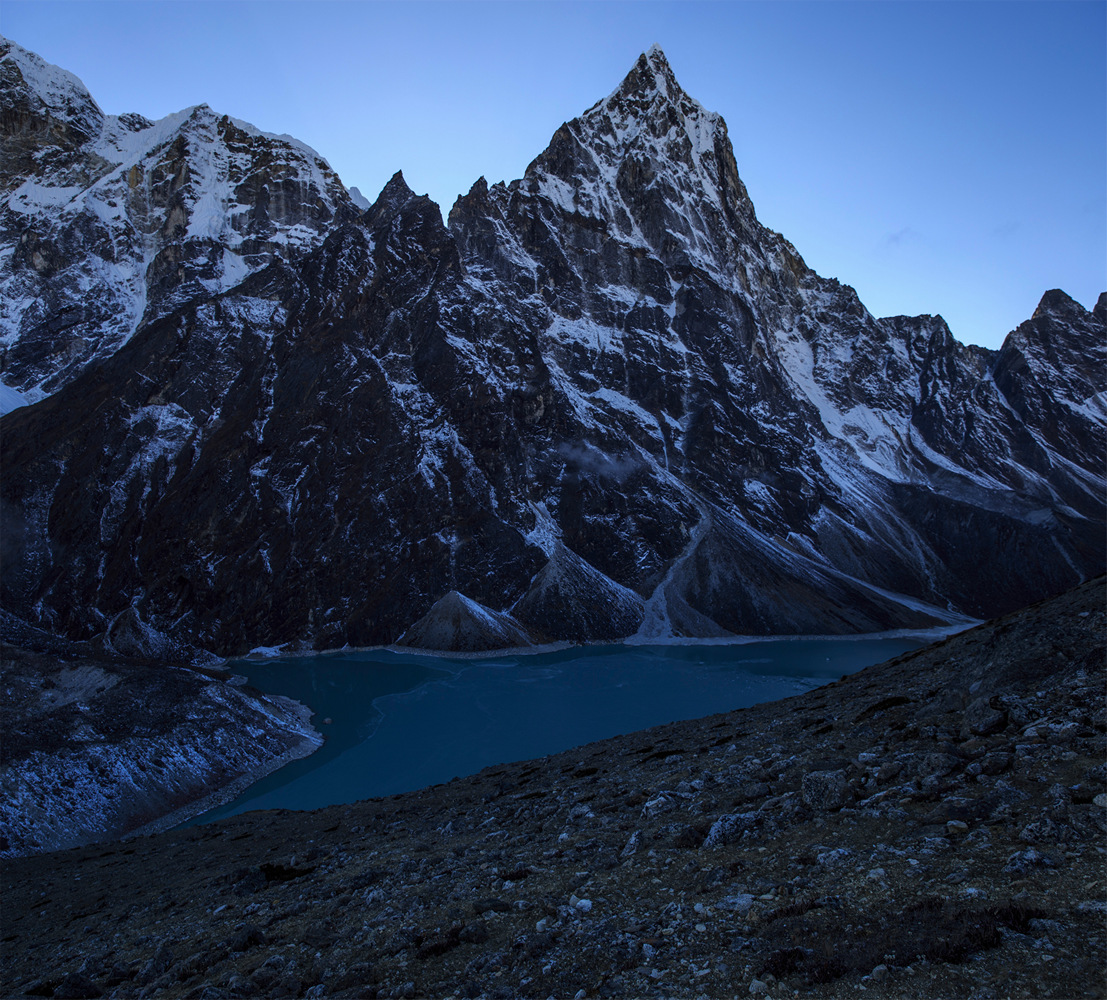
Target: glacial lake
{"x":401,"y":721}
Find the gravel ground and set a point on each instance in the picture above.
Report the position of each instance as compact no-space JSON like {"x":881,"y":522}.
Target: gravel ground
{"x":929,"y":827}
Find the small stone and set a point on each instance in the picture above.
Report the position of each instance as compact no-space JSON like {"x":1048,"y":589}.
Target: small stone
{"x":876,"y":873}
{"x":1100,"y":800}
{"x":584,"y":905}
{"x":1024,"y":861}
{"x":957,"y":826}
{"x":879,"y":973}
{"x":689,"y":837}
{"x":824,"y":791}
{"x":938,"y":765}
{"x":739,"y":903}
{"x":981,"y":719}
{"x":665,"y":801}
{"x":1048,"y":927}
{"x":495,"y":905}
{"x":75,"y":986}
{"x":995,"y":763}
{"x":730,"y":827}
{"x":758,"y":988}
{"x":579,"y":813}
{"x":958,"y":808}
{"x":1043,"y":830}
{"x":701,"y":927}
{"x":474,"y":933}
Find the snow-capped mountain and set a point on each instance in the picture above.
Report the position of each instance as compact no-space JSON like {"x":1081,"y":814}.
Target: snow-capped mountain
{"x":109,"y":222}
{"x":603,"y":401}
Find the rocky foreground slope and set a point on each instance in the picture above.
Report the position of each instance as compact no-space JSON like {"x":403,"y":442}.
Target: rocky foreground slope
{"x":929,"y":827}
{"x":601,"y":400}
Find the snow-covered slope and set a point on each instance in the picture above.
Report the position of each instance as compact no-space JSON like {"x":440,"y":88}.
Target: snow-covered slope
{"x":109,"y":222}
{"x":604,"y":400}
{"x":96,"y":750}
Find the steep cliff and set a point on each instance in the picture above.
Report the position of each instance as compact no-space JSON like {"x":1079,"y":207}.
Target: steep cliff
{"x":604,"y":399}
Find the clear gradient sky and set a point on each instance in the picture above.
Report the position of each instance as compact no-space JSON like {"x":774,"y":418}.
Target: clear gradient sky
{"x":940,"y":157}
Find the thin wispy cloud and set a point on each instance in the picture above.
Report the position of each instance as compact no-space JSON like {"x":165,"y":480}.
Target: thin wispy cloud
{"x":901,"y":236}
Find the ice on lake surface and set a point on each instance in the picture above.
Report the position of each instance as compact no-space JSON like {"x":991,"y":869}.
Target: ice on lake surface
{"x":401,"y":721}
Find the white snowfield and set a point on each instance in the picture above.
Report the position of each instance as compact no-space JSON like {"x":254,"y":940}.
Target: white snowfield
{"x":11,"y":399}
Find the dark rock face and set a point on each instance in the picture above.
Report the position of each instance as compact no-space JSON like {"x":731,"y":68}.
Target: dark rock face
{"x":458,"y":624}
{"x":604,"y":399}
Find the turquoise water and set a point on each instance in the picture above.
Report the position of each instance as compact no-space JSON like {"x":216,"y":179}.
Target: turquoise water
{"x":401,"y":721}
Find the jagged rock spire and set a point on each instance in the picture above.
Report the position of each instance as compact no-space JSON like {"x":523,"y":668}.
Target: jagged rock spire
{"x":651,"y":75}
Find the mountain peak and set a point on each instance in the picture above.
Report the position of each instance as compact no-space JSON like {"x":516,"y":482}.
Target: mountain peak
{"x":1057,"y":301}
{"x":651,"y":75}
{"x":658,"y":63}
{"x":396,"y":191}
{"x":652,"y":161}
{"x":34,"y":88}
{"x":650,"y":96}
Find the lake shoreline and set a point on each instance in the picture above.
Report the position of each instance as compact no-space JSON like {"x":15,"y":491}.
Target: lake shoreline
{"x":932,"y":634}
{"x":931,"y":826}
{"x":229,"y":792}
{"x":398,"y":721}
{"x":98,"y":750}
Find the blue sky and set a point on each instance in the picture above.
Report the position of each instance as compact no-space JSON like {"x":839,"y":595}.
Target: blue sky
{"x":940,"y":157}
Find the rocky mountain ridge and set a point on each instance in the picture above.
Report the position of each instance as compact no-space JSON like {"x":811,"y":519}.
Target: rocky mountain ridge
{"x":602,"y":401}
{"x":111,"y":221}
{"x":98,"y":749}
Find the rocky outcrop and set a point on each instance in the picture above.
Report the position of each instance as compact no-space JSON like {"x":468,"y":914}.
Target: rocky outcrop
{"x":458,"y":624}
{"x":96,"y":749}
{"x":603,"y":398}
{"x":571,"y":600}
